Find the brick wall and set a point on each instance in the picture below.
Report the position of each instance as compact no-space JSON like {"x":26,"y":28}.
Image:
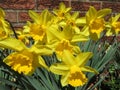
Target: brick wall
{"x":17,"y":10}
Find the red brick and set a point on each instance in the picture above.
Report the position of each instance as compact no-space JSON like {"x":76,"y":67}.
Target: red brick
{"x":23,"y":17}
{"x":11,"y":16}
{"x":56,"y":4}
{"x":49,"y":4}
{"x":108,"y":0}
{"x":84,"y":6}
{"x":115,"y":6}
{"x":17,"y":4}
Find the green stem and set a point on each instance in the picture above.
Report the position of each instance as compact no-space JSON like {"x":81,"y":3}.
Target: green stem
{"x":12,"y":29}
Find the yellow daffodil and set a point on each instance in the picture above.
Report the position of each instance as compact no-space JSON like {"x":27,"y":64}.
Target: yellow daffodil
{"x":74,"y":22}
{"x":24,"y":60}
{"x":72,"y":68}
{"x":41,"y":23}
{"x":66,"y":33}
{"x":36,"y":31}
{"x":4,"y":26}
{"x":61,"y":11}
{"x":113,"y":26}
{"x":66,"y":45}
{"x":66,"y":40}
{"x":95,"y":23}
{"x":63,"y":45}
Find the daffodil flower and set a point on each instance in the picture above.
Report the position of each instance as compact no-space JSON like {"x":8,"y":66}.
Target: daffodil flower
{"x":24,"y":60}
{"x":63,"y":45}
{"x":61,"y":11}
{"x":113,"y":26}
{"x":4,"y":26}
{"x":74,"y":22}
{"x":72,"y":68}
{"x":95,"y":23}
{"x":41,"y":23}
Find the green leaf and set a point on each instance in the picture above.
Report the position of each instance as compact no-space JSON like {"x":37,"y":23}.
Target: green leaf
{"x":7,"y":82}
{"x":3,"y":87}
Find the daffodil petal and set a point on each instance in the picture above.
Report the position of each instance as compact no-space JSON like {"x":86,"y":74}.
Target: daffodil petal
{"x":68,"y":58}
{"x":11,"y":43}
{"x":109,"y":32}
{"x":82,"y":58}
{"x":62,"y":6}
{"x":115,"y":19}
{"x":80,"y":21}
{"x":42,"y":50}
{"x":91,"y":14}
{"x":42,"y":62}
{"x":49,"y":33}
{"x":45,"y":16}
{"x":64,"y":79}
{"x":76,"y":49}
{"x":34,"y":16}
{"x":89,"y":69}
{"x":77,"y":29}
{"x":67,"y":9}
{"x":103,"y":12}
{"x":79,"y":37}
{"x":60,"y":69}
{"x":85,"y":31}
{"x":62,"y":23}
{"x":75,"y":15}
{"x":56,"y":34}
{"x":2,"y":13}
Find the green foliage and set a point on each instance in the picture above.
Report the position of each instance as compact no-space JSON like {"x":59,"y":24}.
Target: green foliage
{"x":112,"y":80}
{"x":49,"y":81}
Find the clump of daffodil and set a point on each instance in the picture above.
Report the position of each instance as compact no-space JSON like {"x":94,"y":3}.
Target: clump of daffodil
{"x":24,"y":60}
{"x":4,"y":26}
{"x":72,"y":68}
{"x":95,"y":23}
{"x":113,"y":26}
{"x":74,"y":21}
{"x":63,"y":17}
